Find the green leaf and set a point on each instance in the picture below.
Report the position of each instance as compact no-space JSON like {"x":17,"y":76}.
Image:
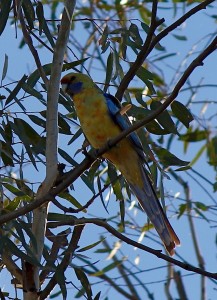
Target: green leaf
{"x":198,"y":155}
{"x":182,"y":113}
{"x":90,"y":246}
{"x":5,"y":67}
{"x":194,"y":136}
{"x":201,"y":206}
{"x":183,"y":168}
{"x":162,"y":57}
{"x":29,"y":137}
{"x":38,"y":121}
{"x":12,"y":204}
{"x":212,"y":151}
{"x":146,"y":76}
{"x":16,"y":90}
{"x":146,"y":28}
{"x":84,"y":282}
{"x":13,"y":190}
{"x":60,"y":217}
{"x":152,"y":127}
{"x":107,"y":269}
{"x":29,"y":12}
{"x":169,"y":159}
{"x":180,"y":37}
{"x":71,"y":199}
{"x":100,"y":194}
{"x":4,"y":14}
{"x":31,"y":91}
{"x":75,"y":136}
{"x":198,"y":211}
{"x":34,"y":77}
{"x":43,"y":24}
{"x":122,"y":213}
{"x":6,"y":153}
{"x":61,"y":280}
{"x":104,"y":42}
{"x":67,"y":157}
{"x":63,"y":125}
{"x":164,"y":118}
{"x":134,"y":33}
{"x":182,"y":209}
{"x":109,"y":70}
{"x":97,"y":297}
{"x":6,"y":243}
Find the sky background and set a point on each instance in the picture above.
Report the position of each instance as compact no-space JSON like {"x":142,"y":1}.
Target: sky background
{"x":20,"y":62}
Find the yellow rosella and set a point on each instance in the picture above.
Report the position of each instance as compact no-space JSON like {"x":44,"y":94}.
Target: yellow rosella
{"x":101,"y":119}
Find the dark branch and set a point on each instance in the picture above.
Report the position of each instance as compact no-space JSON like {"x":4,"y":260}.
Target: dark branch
{"x":104,"y":224}
{"x":75,"y":173}
{"x":148,"y":47}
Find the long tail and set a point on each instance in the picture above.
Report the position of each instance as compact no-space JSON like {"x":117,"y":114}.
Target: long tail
{"x":148,"y":200}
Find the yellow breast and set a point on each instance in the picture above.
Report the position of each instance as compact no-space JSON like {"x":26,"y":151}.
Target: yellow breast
{"x":99,"y":127}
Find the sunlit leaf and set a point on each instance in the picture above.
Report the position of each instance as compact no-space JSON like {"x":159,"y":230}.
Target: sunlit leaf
{"x":90,"y":246}
{"x":108,"y":268}
{"x":212,"y":151}
{"x":194,"y":136}
{"x":71,"y":199}
{"x":198,"y":155}
{"x":182,"y":209}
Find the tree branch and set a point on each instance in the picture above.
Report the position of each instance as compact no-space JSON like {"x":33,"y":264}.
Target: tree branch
{"x":65,"y":261}
{"x":104,"y":224}
{"x":92,"y":155}
{"x":148,"y":47}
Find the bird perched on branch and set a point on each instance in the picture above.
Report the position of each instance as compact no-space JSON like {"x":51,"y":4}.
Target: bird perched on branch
{"x":101,"y":119}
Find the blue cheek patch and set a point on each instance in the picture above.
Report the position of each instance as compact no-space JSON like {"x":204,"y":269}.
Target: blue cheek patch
{"x":75,"y":88}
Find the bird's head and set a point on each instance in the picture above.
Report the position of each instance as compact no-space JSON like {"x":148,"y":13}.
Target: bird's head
{"x":74,"y":83}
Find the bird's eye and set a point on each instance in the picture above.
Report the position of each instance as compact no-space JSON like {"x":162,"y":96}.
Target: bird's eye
{"x":72,"y":78}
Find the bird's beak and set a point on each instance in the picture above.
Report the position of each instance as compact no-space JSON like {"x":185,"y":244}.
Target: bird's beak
{"x":64,"y":87}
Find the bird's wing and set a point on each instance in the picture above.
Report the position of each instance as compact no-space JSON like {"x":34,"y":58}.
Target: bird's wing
{"x":114,"y":108}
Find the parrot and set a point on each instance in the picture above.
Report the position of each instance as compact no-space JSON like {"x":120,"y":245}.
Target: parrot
{"x":101,"y":118}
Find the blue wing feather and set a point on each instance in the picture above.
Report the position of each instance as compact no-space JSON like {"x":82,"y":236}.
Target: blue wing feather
{"x":123,"y":122}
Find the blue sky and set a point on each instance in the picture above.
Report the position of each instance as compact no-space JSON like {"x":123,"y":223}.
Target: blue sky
{"x":20,"y":62}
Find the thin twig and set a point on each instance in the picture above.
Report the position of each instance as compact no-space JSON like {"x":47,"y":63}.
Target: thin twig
{"x":102,"y":223}
{"x":92,"y":156}
{"x":143,"y":54}
{"x":65,"y":261}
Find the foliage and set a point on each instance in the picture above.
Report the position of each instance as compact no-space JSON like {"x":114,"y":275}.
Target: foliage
{"x":131,"y":51}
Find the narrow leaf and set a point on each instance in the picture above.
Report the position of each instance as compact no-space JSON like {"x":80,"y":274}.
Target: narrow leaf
{"x":5,"y":67}
{"x":15,"y":91}
{"x":164,"y":118}
{"x":109,"y":70}
{"x":90,"y":246}
{"x":29,"y":12}
{"x":182,"y":113}
{"x":4,"y":14}
{"x":169,"y":159}
{"x":84,"y":282}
